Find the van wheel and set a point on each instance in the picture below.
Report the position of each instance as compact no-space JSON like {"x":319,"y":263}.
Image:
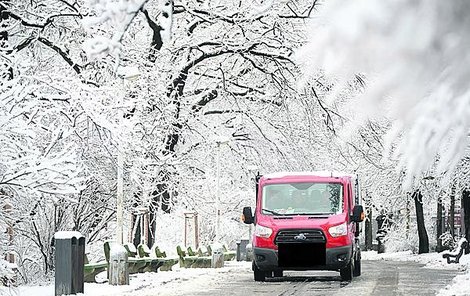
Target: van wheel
{"x":260,"y":276}
{"x":357,"y":265}
{"x":347,"y":272}
{"x":278,"y":273}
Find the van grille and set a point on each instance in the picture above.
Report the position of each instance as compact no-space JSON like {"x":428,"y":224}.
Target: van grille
{"x":300,"y":236}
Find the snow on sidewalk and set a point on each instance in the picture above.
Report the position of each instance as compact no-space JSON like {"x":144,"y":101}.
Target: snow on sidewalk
{"x":460,"y":285}
{"x":149,"y":283}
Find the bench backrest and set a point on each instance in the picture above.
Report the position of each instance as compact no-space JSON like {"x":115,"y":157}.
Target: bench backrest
{"x":181,"y":251}
{"x":143,"y":250}
{"x":159,"y":253}
{"x":131,"y":250}
{"x":191,"y":252}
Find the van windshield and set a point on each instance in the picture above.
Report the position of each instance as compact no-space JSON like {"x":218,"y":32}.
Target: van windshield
{"x":302,"y":199}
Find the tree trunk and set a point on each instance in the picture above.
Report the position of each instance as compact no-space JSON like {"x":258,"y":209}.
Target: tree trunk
{"x":408,"y":217}
{"x":439,"y":226}
{"x":368,"y":226}
{"x":466,"y":216}
{"x":452,"y":211}
{"x":422,"y":234}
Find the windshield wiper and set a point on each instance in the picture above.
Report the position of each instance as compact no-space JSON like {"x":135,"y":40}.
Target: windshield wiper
{"x":273,"y":212}
{"x":313,"y":214}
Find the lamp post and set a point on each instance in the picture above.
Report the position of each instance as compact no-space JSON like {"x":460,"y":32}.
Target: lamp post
{"x":217,"y":191}
{"x":129,"y":74}
{"x":251,"y":169}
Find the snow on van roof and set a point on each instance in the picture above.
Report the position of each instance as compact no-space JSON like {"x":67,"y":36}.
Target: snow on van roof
{"x":312,"y":173}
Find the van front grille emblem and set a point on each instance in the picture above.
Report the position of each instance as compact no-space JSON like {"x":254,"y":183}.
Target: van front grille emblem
{"x":301,"y":236}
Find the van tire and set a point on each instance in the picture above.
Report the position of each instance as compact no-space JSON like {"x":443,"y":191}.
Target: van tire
{"x":357,"y":265}
{"x":259,"y":275}
{"x":347,"y":272}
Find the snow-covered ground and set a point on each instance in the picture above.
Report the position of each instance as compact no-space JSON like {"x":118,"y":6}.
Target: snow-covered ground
{"x":163,"y":283}
{"x":149,"y":283}
{"x":460,"y":284}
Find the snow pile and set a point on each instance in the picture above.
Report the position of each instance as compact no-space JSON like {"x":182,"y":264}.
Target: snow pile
{"x":461,"y":283}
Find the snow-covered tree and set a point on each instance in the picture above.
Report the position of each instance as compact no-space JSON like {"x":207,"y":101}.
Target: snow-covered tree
{"x":414,"y":53}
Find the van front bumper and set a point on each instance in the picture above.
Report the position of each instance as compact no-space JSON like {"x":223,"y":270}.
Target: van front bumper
{"x":336,"y":258}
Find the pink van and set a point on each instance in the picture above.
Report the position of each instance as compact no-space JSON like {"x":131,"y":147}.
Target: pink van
{"x":306,"y":221}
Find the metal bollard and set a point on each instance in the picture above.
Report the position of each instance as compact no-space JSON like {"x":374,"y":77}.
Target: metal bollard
{"x":118,"y":266}
{"x":69,"y":262}
{"x":241,"y":249}
{"x":217,"y":257}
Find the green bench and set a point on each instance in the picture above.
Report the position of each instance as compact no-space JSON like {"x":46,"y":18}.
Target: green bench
{"x":228,"y":255}
{"x":131,"y":250}
{"x":192,"y":261}
{"x":168,"y":262}
{"x":90,"y":270}
{"x":140,"y":260}
{"x":136,"y":265}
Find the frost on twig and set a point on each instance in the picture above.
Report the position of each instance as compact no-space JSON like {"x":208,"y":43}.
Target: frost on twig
{"x":118,"y":13}
{"x":261,"y":7}
{"x":166,"y":21}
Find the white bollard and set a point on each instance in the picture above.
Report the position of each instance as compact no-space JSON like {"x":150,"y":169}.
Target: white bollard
{"x":249,"y":252}
{"x":118,"y":266}
{"x":217,"y":257}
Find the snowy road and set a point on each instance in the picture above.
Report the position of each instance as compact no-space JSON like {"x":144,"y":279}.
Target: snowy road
{"x":378,"y":278}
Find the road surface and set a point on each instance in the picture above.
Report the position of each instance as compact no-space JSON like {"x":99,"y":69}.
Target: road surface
{"x":378,"y":278}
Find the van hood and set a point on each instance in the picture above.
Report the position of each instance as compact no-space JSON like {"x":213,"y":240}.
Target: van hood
{"x":302,"y":221}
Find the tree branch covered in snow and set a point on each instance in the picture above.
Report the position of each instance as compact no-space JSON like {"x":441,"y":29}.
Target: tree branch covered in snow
{"x":414,"y":53}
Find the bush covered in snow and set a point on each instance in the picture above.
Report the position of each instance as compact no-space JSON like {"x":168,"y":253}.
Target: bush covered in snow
{"x":7,"y":273}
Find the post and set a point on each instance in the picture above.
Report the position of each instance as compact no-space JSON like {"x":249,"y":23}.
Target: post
{"x":130,"y":74}
{"x":120,"y":197}
{"x":190,"y":226}
{"x":217,"y":197}
{"x":217,"y":191}
{"x":251,"y":170}
{"x":69,"y":262}
{"x":368,"y":229}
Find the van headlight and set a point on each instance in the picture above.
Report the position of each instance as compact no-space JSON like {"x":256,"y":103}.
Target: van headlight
{"x":263,"y":231}
{"x":338,"y":230}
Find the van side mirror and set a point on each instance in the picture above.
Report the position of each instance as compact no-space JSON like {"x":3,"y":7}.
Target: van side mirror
{"x":358,"y":214}
{"x":247,"y":216}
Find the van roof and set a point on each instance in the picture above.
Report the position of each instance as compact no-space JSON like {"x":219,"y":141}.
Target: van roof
{"x":331,"y":174}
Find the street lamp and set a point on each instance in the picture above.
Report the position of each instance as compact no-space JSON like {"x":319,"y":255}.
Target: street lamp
{"x":129,"y":74}
{"x":217,"y":191}
{"x":251,"y":169}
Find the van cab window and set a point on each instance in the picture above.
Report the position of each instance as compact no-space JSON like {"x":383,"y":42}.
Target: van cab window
{"x":302,"y":199}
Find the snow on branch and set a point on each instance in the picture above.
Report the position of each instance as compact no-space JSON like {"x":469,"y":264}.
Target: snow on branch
{"x":166,"y":21}
{"x":415,"y":56}
{"x":120,"y":13}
